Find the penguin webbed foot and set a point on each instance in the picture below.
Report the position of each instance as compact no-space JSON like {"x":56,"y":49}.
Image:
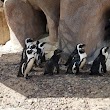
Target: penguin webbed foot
{"x":28,"y":77}
{"x":96,"y":74}
{"x":45,"y":73}
{"x":68,"y":72}
{"x":20,"y":75}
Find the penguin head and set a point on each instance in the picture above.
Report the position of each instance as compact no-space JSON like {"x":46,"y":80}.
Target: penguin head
{"x":30,"y":53}
{"x":81,"y":48}
{"x":33,"y":47}
{"x":41,"y":45}
{"x":28,"y":41}
{"x":37,"y":42}
{"x":58,"y":52}
{"x":104,"y":51}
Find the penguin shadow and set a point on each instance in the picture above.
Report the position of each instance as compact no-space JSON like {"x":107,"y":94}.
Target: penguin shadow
{"x":54,"y":86}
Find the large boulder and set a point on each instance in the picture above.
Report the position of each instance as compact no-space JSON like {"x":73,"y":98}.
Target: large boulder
{"x":51,"y":9}
{"x":28,"y":18}
{"x":83,"y":21}
{"x":69,"y":21}
{"x":4,"y":31}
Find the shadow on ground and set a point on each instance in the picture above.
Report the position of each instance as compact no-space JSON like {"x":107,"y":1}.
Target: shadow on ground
{"x":40,"y":86}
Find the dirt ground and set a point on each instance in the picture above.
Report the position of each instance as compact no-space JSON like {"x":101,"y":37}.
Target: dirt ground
{"x":57,"y":92}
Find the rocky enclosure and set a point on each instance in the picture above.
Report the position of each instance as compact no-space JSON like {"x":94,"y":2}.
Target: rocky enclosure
{"x":69,"y":22}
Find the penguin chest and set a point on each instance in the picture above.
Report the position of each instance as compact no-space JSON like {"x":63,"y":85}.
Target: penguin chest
{"x":29,"y":66}
{"x":82,"y":63}
{"x":100,"y":68}
{"x":74,"y":69}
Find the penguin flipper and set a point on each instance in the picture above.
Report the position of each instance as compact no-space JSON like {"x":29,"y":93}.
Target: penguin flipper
{"x":104,"y":66}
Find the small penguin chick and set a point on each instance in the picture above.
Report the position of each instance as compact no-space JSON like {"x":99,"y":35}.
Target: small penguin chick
{"x":52,"y":63}
{"x":99,"y":64}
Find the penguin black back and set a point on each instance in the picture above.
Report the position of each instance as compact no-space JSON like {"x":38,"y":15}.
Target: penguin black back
{"x":99,"y":64}
{"x":75,"y":53}
{"x":77,"y":60}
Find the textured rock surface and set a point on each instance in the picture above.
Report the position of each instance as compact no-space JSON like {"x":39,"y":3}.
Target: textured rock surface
{"x":51,"y":9}
{"x":25,"y":21}
{"x":82,"y":21}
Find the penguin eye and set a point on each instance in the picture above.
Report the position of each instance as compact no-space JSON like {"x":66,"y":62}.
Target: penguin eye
{"x":105,"y":50}
{"x":33,"y":46}
{"x":42,"y":44}
{"x":80,"y":46}
{"x":29,"y":51}
{"x":29,"y":40}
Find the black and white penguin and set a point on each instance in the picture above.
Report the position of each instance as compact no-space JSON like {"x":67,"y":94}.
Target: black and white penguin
{"x":40,"y":45}
{"x":38,"y":58}
{"x":77,"y":59}
{"x":99,"y":64}
{"x":52,"y":64}
{"x":27,"y":63}
{"x":28,"y":42}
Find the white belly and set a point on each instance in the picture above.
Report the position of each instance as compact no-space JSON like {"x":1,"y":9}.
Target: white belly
{"x":73,"y":68}
{"x":82,"y":63}
{"x":100,"y":68}
{"x":29,"y":66}
{"x":82,"y":56}
{"x":82,"y":60}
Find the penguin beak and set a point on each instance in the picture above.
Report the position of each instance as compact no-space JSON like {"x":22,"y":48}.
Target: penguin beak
{"x":83,"y":45}
{"x":107,"y":48}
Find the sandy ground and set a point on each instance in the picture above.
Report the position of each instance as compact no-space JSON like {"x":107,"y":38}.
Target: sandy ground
{"x":57,"y":92}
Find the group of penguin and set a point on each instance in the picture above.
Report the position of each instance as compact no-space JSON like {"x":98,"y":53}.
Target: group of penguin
{"x":34,"y":54}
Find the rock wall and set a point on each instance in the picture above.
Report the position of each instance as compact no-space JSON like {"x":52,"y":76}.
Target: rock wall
{"x":23,"y":21}
{"x":69,"y":21}
{"x":28,"y":19}
{"x":82,"y":21}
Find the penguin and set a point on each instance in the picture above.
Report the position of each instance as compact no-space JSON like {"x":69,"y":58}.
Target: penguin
{"x":28,"y":41}
{"x":40,"y":45}
{"x":27,"y":63}
{"x":33,"y":47}
{"x":38,"y":57}
{"x":52,"y":64}
{"x":99,"y":64}
{"x":77,"y":59}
